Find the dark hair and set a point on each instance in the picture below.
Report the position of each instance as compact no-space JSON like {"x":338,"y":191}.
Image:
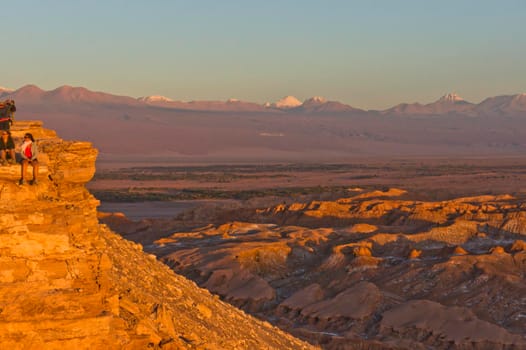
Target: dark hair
{"x":30,"y":136}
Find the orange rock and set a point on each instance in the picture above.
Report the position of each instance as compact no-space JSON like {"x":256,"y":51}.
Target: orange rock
{"x":415,"y":254}
{"x":363,"y":228}
{"x":497,"y":250}
{"x":518,"y":246}
{"x":460,"y":251}
{"x":362,"y":251}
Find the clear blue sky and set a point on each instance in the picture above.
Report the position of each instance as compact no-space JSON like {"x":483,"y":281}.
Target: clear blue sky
{"x":370,"y":54}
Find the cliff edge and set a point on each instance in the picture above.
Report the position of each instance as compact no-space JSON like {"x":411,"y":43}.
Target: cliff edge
{"x":67,"y":281}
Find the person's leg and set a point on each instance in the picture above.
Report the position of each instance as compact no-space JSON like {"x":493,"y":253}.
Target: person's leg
{"x":23,"y":164}
{"x":35,"y":170}
{"x":13,"y":156}
{"x":3,"y":159}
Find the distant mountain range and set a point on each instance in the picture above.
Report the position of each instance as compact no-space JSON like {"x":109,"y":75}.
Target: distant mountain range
{"x":156,"y":128}
{"x":447,"y":104}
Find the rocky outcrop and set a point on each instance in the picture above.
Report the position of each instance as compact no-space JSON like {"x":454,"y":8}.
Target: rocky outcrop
{"x":443,"y":326}
{"x":68,"y":282}
{"x":371,"y":271}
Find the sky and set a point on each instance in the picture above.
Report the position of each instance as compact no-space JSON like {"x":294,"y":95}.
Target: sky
{"x":369,"y":54}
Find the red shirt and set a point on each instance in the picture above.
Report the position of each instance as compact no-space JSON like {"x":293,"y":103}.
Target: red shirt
{"x":27,"y":152}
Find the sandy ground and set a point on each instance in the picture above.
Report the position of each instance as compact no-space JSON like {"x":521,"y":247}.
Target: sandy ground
{"x":424,"y":179}
{"x":153,"y":209}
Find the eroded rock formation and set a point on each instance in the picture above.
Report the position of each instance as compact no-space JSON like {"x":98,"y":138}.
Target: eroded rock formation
{"x":371,"y":271}
{"x":68,"y":282}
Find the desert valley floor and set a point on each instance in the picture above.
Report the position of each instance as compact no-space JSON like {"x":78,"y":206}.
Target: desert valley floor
{"x":142,"y":190}
{"x":382,"y":253}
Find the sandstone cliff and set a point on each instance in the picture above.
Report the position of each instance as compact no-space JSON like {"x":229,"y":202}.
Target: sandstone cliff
{"x":68,"y":282}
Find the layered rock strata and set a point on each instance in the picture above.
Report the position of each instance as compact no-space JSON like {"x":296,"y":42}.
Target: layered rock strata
{"x":68,"y":282}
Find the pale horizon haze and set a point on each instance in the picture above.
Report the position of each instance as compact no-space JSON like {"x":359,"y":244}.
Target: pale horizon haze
{"x":370,"y":55}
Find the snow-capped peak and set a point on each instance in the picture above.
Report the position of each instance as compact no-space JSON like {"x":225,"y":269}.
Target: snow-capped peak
{"x":155,"y":98}
{"x":519,"y":98}
{"x":451,"y":97}
{"x":316,"y":99}
{"x":287,"y":102}
{"x":6,"y":89}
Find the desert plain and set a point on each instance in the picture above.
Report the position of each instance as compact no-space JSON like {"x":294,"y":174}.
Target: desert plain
{"x":145,"y":190}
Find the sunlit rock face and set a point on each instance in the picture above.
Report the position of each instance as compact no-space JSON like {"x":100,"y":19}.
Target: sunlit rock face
{"x":68,"y":282}
{"x":375,"y":270}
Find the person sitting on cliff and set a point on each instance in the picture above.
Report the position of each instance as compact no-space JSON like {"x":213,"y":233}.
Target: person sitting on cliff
{"x":7,"y":113}
{"x":29,"y":153}
{"x":7,"y":149}
{"x":11,"y":111}
{"x":4,"y":120}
